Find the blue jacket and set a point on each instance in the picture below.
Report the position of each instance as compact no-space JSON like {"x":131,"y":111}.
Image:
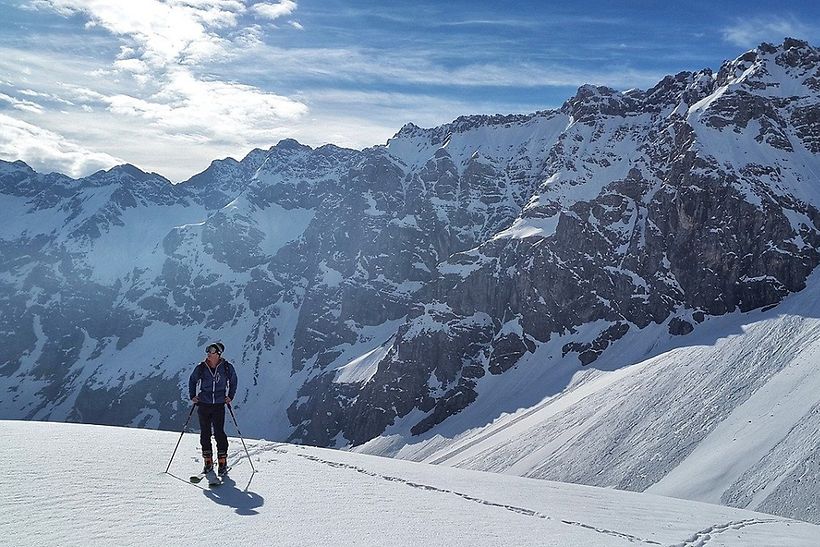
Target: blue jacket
{"x":213,"y":384}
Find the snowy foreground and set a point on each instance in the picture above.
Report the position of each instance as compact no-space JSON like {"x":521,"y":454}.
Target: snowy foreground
{"x":70,"y":484}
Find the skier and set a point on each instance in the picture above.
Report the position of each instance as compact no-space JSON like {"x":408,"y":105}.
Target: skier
{"x":217,"y":386}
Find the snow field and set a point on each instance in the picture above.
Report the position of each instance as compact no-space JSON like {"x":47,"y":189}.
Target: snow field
{"x":94,"y":485}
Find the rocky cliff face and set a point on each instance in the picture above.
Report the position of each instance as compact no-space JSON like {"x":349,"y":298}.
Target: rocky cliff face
{"x":692,"y":199}
{"x":388,"y":289}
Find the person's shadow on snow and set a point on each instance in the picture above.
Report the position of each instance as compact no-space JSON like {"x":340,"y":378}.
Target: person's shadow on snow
{"x":243,"y":501}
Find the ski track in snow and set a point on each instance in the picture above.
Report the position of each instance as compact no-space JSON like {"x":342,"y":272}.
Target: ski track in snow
{"x":513,"y":508}
{"x":698,"y":539}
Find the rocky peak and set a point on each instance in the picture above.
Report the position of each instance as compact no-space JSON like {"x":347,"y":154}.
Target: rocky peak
{"x":12,"y":174}
{"x":408,"y":130}
{"x":591,"y":102}
{"x":290,"y":144}
{"x":441,"y":135}
{"x":770,"y":66}
{"x":14,"y":166}
{"x":286,"y":152}
{"x":463,"y":124}
{"x":794,"y":53}
{"x":224,"y":179}
{"x":130,"y":177}
{"x":686,"y":87}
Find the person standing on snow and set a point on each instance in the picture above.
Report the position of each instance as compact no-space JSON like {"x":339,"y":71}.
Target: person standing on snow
{"x":217,"y":382}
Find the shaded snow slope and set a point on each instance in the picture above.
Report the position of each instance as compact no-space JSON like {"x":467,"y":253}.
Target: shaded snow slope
{"x":727,"y":414}
{"x":94,"y":485}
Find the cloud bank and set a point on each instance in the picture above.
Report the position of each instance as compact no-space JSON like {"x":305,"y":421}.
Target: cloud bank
{"x":159,"y":79}
{"x":47,"y":151}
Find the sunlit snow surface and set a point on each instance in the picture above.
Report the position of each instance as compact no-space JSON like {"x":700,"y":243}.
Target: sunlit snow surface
{"x":70,"y":484}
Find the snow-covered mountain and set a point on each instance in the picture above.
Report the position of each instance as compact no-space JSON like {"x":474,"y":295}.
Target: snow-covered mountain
{"x":728,"y":414}
{"x":604,"y":293}
{"x":115,"y":492}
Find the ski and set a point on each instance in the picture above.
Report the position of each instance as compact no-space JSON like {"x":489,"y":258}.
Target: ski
{"x":213,"y":478}
{"x":196,"y":479}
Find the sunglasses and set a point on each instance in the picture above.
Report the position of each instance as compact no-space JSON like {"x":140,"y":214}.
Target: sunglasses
{"x":212,"y":350}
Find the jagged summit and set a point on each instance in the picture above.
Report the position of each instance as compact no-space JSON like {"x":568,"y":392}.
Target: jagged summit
{"x":290,"y":144}
{"x":14,"y":165}
{"x":792,"y":51}
{"x":408,"y":129}
{"x":126,"y":173}
{"x":768,"y":68}
{"x":14,"y":171}
{"x":231,"y":161}
{"x":690,"y":87}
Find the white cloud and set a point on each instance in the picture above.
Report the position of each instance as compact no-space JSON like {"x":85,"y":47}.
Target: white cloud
{"x":151,"y":126}
{"x":47,"y":97}
{"x":750,"y":32}
{"x":135,"y":66}
{"x":249,"y":37}
{"x":154,"y":90}
{"x":418,"y":68}
{"x":48,"y":5}
{"x":274,"y":11}
{"x":22,"y":104}
{"x":213,"y":109}
{"x":296,"y":24}
{"x":47,"y":151}
{"x":82,"y":94}
{"x":163,"y":33}
{"x":126,"y":52}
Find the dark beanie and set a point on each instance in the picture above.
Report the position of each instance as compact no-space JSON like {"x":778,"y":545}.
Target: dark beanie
{"x":220,"y":347}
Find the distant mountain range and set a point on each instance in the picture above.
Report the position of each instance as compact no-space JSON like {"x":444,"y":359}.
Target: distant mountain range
{"x":614,"y":261}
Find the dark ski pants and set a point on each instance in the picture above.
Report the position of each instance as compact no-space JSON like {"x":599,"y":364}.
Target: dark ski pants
{"x":212,"y":416}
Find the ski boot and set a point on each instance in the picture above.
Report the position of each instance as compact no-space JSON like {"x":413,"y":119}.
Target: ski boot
{"x":222,"y":460}
{"x":209,"y":463}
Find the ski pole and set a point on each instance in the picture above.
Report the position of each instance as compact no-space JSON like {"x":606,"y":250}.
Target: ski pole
{"x":191,"y":413}
{"x":240,"y":436}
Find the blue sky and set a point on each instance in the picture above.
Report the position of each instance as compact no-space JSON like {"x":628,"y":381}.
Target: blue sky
{"x":170,"y":85}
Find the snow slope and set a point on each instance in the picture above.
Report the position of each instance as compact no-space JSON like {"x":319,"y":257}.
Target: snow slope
{"x":95,"y":485}
{"x":727,"y":414}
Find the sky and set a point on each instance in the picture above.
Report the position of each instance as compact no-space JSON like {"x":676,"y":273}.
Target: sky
{"x":171,"y":85}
